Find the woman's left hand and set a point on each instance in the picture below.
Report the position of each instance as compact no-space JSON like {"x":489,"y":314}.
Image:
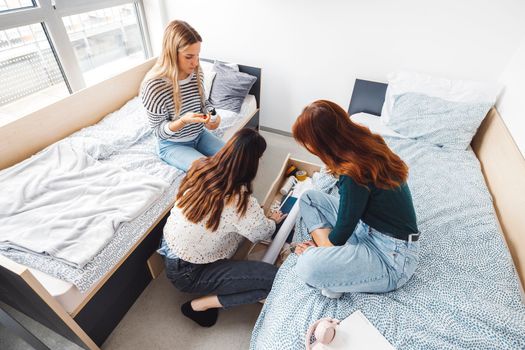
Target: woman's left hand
{"x":301,"y":247}
{"x":212,"y":125}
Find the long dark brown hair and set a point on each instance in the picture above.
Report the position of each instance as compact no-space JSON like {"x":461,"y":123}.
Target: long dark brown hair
{"x":213,"y":182}
{"x":325,"y":129}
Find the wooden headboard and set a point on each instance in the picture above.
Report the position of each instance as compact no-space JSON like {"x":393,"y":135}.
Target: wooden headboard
{"x":503,"y":166}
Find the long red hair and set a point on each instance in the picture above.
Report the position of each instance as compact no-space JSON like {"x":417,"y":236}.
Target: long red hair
{"x":325,"y":129}
{"x":213,"y":182}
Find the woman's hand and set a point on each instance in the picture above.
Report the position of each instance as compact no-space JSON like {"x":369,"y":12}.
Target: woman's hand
{"x":301,"y":247}
{"x":212,"y":125}
{"x":191,"y":118}
{"x":278,"y":216}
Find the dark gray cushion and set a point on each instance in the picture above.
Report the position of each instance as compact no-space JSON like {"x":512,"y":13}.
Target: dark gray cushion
{"x":368,"y":97}
{"x":230,"y":87}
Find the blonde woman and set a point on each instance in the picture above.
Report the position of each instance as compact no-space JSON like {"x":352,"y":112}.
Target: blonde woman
{"x":172,"y":93}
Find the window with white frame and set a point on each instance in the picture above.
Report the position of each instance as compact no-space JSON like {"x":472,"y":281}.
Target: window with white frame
{"x":6,"y":5}
{"x":51,"y":48}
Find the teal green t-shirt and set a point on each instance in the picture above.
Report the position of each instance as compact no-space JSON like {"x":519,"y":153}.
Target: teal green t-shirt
{"x":390,"y":211}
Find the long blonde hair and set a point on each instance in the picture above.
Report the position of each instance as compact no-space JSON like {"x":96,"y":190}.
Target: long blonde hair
{"x":178,"y":35}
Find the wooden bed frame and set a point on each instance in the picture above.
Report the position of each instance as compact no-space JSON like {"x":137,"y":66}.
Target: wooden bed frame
{"x":103,"y":308}
{"x":503,"y":167}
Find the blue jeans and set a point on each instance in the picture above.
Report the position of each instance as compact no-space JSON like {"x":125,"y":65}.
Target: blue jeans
{"x":182,"y":154}
{"x":369,"y":262}
{"x":235,"y":282}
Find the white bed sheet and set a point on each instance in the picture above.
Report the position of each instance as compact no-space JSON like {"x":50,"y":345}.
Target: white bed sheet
{"x":63,"y":203}
{"x":66,"y":293}
{"x":375,"y":125}
{"x":230,"y":119}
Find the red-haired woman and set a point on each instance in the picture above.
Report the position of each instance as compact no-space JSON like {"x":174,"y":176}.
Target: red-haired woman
{"x":215,"y":209}
{"x":367,"y":240}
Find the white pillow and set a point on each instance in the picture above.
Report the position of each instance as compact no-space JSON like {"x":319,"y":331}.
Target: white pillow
{"x":373,"y":122}
{"x":208,"y":82}
{"x":209,"y":75}
{"x":450,"y":90}
{"x":232,"y":65}
{"x":209,"y":65}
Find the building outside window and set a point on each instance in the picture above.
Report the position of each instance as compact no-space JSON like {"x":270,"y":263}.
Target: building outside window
{"x":106,"y":41}
{"x":35,"y":69}
{"x":6,"y":5}
{"x":30,"y":75}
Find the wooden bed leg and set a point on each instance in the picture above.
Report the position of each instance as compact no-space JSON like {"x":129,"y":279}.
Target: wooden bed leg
{"x":14,"y":326}
{"x":155,"y":265}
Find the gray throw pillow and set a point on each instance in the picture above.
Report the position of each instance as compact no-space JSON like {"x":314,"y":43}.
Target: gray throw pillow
{"x":434,"y":120}
{"x":230,"y":87}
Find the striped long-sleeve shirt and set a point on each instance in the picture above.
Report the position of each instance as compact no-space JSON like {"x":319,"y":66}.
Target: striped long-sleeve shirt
{"x":157,"y":98}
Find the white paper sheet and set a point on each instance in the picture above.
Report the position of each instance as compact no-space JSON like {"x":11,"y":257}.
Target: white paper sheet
{"x":357,"y":333}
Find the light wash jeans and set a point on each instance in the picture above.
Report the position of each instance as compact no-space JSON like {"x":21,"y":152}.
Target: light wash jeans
{"x":369,"y":262}
{"x":182,"y":154}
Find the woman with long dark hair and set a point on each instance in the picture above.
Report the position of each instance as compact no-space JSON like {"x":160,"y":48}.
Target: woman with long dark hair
{"x":367,"y":239}
{"x":214,"y":210}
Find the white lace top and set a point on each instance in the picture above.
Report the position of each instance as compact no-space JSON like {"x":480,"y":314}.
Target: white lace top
{"x":196,"y":244}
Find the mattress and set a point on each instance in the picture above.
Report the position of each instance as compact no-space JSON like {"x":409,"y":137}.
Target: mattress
{"x":465,"y":292}
{"x":122,"y":138}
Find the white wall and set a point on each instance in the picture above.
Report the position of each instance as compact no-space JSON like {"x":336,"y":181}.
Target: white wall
{"x":511,"y":104}
{"x":156,"y":20}
{"x":311,"y":49}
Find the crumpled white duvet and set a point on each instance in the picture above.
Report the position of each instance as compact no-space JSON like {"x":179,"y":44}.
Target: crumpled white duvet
{"x":64,"y":203}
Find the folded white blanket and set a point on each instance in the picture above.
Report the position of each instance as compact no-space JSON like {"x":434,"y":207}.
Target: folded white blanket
{"x":66,"y":204}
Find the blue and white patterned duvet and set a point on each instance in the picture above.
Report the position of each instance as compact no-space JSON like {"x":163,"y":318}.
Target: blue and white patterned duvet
{"x":464,"y":294}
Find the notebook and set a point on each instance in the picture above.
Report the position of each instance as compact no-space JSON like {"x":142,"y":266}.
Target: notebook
{"x":357,"y":333}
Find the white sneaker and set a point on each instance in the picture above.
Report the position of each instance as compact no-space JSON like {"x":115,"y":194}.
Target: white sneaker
{"x":330,"y":294}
